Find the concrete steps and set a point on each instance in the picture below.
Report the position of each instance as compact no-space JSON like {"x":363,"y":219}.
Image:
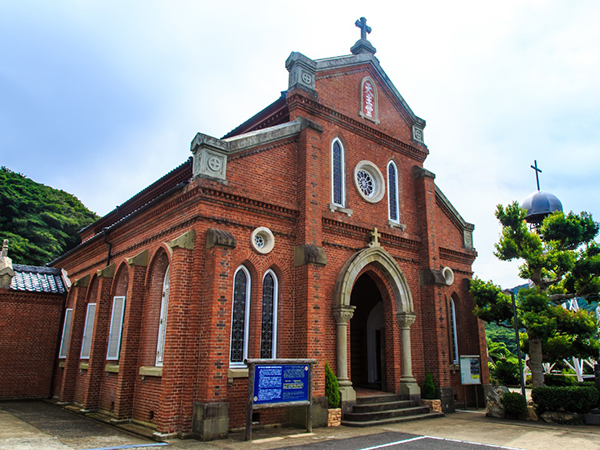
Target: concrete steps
{"x":385,"y":409}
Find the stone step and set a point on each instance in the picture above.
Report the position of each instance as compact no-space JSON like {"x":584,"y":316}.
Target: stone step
{"x":387,"y":414}
{"x":382,"y":398}
{"x":372,"y":423}
{"x":371,"y":407}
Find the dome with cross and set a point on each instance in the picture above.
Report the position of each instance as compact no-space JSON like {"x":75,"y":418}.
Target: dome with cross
{"x":539,"y":204}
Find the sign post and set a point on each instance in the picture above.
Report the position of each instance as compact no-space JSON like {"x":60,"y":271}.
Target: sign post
{"x":470,"y":374}
{"x":275,"y":383}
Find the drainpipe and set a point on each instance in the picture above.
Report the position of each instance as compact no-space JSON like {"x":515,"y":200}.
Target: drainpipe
{"x":105,"y":233}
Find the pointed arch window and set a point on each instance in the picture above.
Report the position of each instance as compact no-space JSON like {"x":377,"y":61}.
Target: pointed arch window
{"x":268,"y":333}
{"x":239,"y":317}
{"x":393,"y":208}
{"x":162,"y":324}
{"x":454,"y":333}
{"x":338,"y":190}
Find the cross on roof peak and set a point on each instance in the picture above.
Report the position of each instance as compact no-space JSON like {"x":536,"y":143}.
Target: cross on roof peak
{"x":364,"y":28}
{"x":537,"y":172}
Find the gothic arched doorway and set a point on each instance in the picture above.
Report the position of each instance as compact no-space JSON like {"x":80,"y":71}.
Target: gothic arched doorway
{"x":367,"y":335}
{"x":344,"y":310}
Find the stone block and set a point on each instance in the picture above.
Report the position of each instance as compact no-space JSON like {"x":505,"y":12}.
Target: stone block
{"x":447,"y":398}
{"x":216,"y":237}
{"x":309,"y":254}
{"x":210,"y":421}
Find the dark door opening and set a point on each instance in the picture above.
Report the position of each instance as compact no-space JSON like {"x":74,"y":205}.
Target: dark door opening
{"x":367,"y":335}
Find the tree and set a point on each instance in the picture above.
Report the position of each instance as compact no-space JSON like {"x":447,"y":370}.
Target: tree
{"x":40,"y":222}
{"x":562,"y":260}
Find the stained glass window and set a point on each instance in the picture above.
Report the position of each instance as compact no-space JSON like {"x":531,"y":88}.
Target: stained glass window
{"x":454,"y":336}
{"x":337,"y":173}
{"x":269,"y":316}
{"x":393,"y":191}
{"x":365,"y":182}
{"x":239,"y":328}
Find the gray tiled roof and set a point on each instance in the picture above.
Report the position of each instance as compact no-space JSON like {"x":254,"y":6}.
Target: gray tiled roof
{"x":37,"y":279}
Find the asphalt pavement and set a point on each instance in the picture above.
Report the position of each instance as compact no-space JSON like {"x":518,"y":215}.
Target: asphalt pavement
{"x":38,"y":425}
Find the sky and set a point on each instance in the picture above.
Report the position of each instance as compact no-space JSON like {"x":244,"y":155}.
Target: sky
{"x":101,"y":97}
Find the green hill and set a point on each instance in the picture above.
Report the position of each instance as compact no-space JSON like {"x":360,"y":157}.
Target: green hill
{"x":40,"y":222}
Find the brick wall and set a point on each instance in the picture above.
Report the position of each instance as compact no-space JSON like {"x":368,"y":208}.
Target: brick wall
{"x":29,"y":335}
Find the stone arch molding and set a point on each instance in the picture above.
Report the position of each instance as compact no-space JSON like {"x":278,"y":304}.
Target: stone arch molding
{"x":343,"y":312}
{"x":361,"y":259}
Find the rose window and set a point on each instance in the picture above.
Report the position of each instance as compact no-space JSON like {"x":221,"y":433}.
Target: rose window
{"x":365,"y":182}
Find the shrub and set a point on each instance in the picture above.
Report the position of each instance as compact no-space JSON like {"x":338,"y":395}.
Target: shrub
{"x":506,"y":371}
{"x":514,"y":404}
{"x":332,"y":388}
{"x":428,"y":387}
{"x":559,"y":380}
{"x":579,"y":399}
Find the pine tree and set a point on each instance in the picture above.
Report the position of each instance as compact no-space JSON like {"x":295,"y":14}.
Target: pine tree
{"x":562,"y":260}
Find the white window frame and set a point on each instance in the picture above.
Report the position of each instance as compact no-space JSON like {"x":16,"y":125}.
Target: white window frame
{"x":88,"y":331}
{"x":343,"y":172}
{"x":162,"y":322}
{"x":454,"y":336}
{"x":397,"y":219}
{"x":246,"y":318}
{"x":275,"y":307}
{"x":116,"y":329}
{"x":66,"y":334}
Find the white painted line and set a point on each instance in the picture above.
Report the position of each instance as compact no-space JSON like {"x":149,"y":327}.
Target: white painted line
{"x":474,"y":443}
{"x":161,"y":444}
{"x":418,"y":438}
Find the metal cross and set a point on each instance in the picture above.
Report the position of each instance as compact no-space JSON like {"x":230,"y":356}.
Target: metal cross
{"x":375,"y":238}
{"x":364,"y":29}
{"x":537,"y":172}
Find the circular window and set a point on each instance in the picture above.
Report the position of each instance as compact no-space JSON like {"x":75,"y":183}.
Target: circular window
{"x":369,"y":181}
{"x":262,"y":240}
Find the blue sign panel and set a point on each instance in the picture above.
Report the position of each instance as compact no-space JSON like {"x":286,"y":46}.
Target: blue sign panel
{"x":281,"y":383}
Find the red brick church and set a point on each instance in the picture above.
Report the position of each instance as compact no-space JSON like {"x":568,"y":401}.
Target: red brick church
{"x":312,"y":230}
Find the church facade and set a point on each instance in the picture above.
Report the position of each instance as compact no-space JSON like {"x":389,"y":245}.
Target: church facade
{"x":312,"y":230}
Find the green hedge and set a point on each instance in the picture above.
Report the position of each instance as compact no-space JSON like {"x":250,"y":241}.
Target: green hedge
{"x":579,"y":399}
{"x":514,"y":404}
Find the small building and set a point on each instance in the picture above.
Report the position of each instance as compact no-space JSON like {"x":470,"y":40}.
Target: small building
{"x":32,"y":301}
{"x":312,"y":230}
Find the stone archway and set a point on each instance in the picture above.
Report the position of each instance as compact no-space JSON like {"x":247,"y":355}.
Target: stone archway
{"x":343,"y":312}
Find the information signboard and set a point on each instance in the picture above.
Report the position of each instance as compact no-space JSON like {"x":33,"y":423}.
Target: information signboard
{"x":470,"y":369}
{"x":276,"y":383}
{"x":281,"y":383}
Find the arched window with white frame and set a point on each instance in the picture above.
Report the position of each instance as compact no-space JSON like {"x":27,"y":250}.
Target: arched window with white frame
{"x":338,"y":188}
{"x":454,"y":332}
{"x":240,"y":317}
{"x":162,"y":324}
{"x":393,"y":204}
{"x":268,"y":329}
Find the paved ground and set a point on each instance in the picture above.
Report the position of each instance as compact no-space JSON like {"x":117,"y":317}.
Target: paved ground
{"x":41,"y":426}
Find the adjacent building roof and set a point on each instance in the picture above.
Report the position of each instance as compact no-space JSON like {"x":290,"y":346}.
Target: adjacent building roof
{"x":38,"y":279}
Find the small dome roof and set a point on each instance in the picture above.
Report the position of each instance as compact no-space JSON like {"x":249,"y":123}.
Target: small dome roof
{"x":539,"y":204}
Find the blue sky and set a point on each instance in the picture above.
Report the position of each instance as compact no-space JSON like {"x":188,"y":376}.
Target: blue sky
{"x":100,"y":98}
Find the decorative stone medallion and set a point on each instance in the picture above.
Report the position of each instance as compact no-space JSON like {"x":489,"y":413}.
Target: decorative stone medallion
{"x":417,"y":133}
{"x":448,"y":275}
{"x":262,"y":240}
{"x":369,"y":181}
